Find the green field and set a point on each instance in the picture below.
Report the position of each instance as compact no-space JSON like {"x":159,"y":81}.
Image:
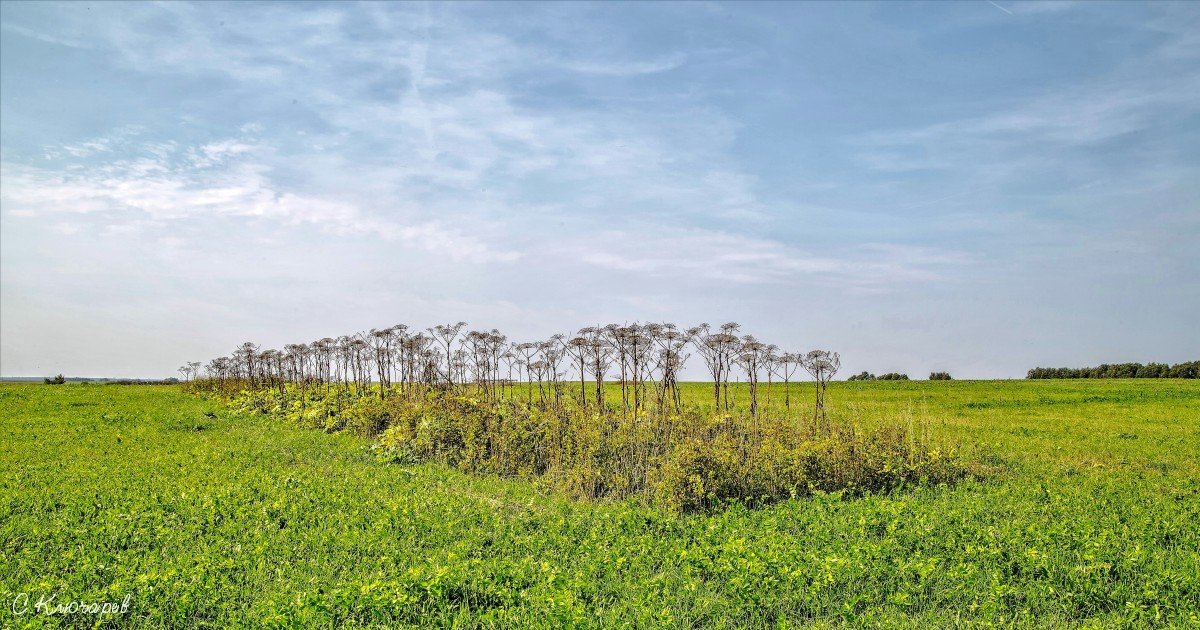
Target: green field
{"x":1092,"y":519}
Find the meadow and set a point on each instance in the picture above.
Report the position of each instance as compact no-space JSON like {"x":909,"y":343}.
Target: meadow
{"x":1089,"y":517}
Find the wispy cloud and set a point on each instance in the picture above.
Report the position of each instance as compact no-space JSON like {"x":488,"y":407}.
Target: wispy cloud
{"x":40,"y":36}
{"x":1079,"y":117}
{"x":1156,"y":89}
{"x":224,"y":178}
{"x":625,"y":68}
{"x":114,"y":139}
{"x":451,"y":143}
{"x":1000,"y":7}
{"x":699,"y":255}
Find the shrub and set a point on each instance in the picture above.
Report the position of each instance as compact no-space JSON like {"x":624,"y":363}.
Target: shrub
{"x":55,"y":380}
{"x":701,"y":474}
{"x":863,"y":376}
{"x":367,"y":417}
{"x":893,"y":376}
{"x":689,"y":461}
{"x":940,"y":376}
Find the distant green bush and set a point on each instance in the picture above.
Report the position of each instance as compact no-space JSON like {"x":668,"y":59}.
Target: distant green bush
{"x":55,"y":380}
{"x":940,"y":376}
{"x":890,"y":376}
{"x":1189,"y":369}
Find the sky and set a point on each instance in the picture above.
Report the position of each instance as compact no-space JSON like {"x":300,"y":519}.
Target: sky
{"x":975,"y":187}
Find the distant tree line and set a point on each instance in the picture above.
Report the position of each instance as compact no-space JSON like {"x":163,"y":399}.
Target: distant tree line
{"x":1190,"y":369}
{"x":60,"y":380}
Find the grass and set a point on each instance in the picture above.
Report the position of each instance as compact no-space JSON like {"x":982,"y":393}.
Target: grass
{"x":205,"y":519}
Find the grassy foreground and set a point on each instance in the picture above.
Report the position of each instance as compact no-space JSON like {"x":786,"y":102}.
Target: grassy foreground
{"x":204,"y":519}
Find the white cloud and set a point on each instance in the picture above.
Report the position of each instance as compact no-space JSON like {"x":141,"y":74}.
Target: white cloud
{"x":218,"y":179}
{"x":106,"y":143}
{"x":455,"y":146}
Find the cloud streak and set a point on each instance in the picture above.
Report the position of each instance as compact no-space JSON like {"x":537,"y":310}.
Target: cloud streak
{"x":224,"y":178}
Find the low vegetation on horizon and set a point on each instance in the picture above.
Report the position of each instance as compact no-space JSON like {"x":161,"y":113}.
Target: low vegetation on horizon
{"x":1187,"y":369}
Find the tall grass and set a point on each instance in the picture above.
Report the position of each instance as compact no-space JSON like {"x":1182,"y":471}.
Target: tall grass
{"x":693,"y":460}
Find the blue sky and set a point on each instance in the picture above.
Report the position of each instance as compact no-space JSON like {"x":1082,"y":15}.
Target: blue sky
{"x":974,"y":187}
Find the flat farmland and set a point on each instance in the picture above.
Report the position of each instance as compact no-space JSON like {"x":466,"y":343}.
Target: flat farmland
{"x":1089,"y":517}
